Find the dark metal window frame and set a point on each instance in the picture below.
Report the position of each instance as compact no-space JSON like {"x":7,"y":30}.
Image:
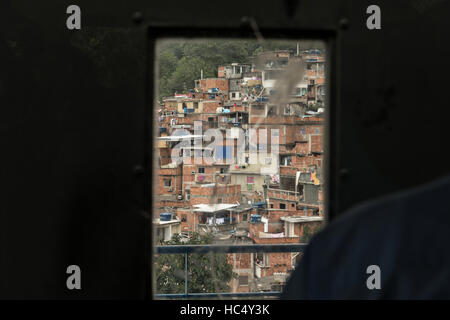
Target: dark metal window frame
{"x":330,"y":37}
{"x":252,"y":248}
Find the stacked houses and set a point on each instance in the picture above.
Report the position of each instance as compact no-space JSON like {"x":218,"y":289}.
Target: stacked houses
{"x":240,"y":158}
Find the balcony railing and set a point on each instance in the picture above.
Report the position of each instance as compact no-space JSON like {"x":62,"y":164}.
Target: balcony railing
{"x":283,"y":194}
{"x":251,"y":248}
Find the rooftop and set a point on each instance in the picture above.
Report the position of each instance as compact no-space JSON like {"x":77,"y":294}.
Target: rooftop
{"x":213,"y":207}
{"x":241,"y":208}
{"x":298,"y":219}
{"x":178,"y":138}
{"x":159,"y":222}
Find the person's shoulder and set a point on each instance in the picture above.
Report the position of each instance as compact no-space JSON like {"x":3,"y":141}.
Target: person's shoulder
{"x":389,"y":210}
{"x":382,"y":232}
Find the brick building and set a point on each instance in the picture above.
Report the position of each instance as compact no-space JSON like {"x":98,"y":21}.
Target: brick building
{"x":218,"y":188}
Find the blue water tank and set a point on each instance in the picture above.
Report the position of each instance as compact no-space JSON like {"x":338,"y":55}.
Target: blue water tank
{"x":255,"y":218}
{"x":165,"y":216}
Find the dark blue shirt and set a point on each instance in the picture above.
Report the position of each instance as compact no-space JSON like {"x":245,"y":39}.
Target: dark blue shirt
{"x":406,"y":234}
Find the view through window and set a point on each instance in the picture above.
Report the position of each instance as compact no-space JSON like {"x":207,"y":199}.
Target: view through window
{"x":238,"y":155}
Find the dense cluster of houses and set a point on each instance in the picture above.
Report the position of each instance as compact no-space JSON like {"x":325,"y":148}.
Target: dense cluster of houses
{"x":240,"y":158}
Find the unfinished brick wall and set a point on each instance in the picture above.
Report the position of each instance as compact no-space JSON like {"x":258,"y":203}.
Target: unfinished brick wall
{"x":242,"y":264}
{"x":289,"y":134}
{"x":188,"y":219}
{"x":211,"y":106}
{"x":276,"y":205}
{"x":301,"y":148}
{"x":221,"y":72}
{"x":176,"y":183}
{"x":211,"y":195}
{"x":320,"y":80}
{"x":278,"y":262}
{"x":202,"y":195}
{"x":220,"y":83}
{"x":164,"y":156}
{"x":275,"y":215}
{"x":229,"y":193}
{"x":316,"y":143}
{"x":170,"y":105}
{"x":240,"y":260}
{"x":304,"y":162}
{"x":191,"y":171}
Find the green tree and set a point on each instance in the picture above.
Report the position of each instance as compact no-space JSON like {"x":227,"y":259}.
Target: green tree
{"x":206,"y":272}
{"x":187,"y":70}
{"x":167,"y":63}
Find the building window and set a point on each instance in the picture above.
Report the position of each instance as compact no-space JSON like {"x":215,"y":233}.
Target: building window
{"x":282,"y":206}
{"x":195,"y":105}
{"x":243,"y":280}
{"x":223,"y":170}
{"x":245,"y":217}
{"x":167,"y":183}
{"x":219,"y":200}
{"x":201,"y":170}
{"x":285,"y":160}
{"x":262,"y":259}
{"x":183,"y":218}
{"x":293,"y":205}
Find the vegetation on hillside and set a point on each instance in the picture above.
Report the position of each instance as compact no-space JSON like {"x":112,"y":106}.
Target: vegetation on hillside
{"x":180,"y":61}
